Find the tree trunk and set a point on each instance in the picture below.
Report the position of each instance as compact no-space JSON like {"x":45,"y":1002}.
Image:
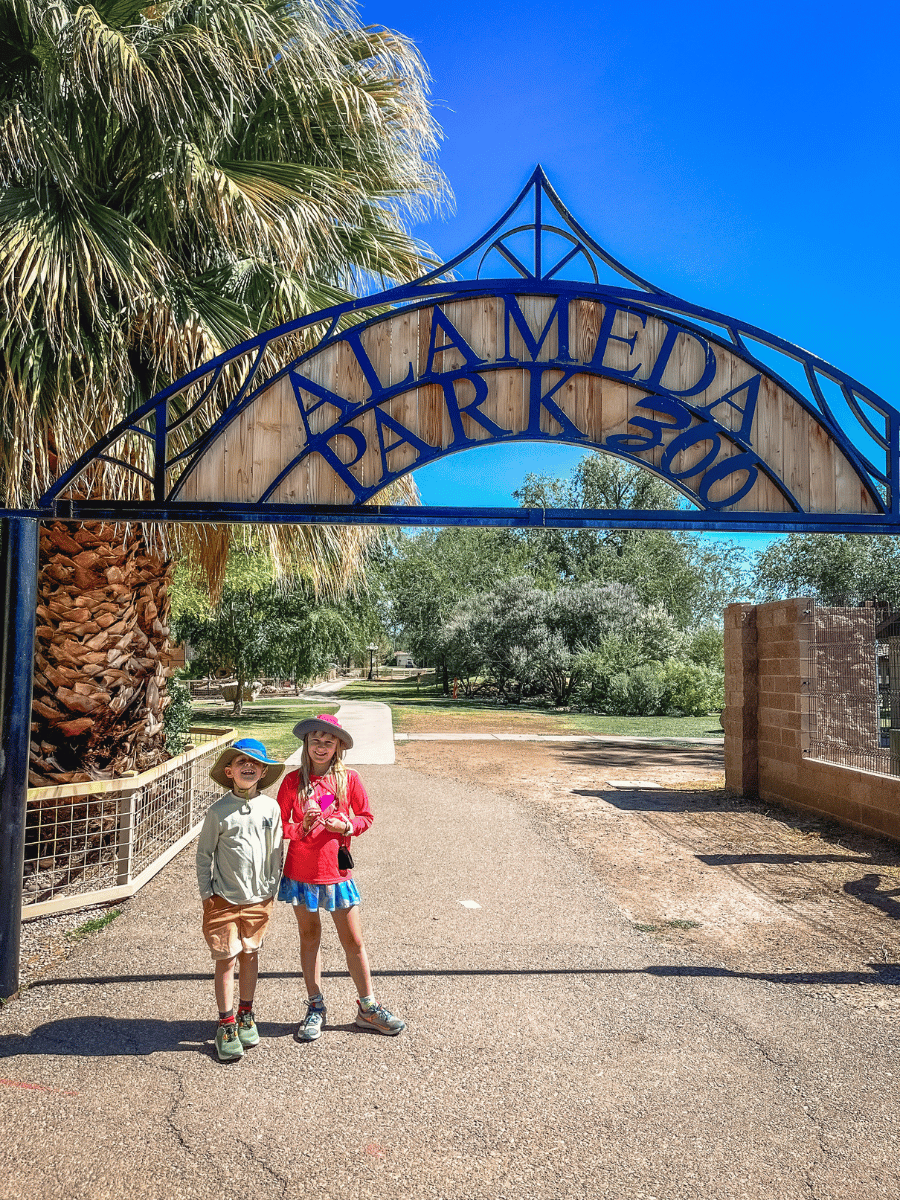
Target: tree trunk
{"x":102,"y":654}
{"x":238,"y":707}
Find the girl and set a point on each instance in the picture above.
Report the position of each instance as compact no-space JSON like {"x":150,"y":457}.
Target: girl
{"x":316,"y":805}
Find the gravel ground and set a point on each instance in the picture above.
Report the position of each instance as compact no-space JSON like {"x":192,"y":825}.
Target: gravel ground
{"x":48,"y":941}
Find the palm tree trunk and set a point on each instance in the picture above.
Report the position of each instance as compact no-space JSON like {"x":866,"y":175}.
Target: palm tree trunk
{"x":102,"y":655}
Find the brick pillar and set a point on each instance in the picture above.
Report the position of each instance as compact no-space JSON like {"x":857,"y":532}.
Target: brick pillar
{"x":784,"y":632}
{"x":741,"y":717}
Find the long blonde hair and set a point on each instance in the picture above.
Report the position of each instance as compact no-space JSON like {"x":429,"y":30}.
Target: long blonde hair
{"x":336,"y":770}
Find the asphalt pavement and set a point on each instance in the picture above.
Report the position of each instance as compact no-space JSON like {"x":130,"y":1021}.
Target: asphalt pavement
{"x":552,"y":1050}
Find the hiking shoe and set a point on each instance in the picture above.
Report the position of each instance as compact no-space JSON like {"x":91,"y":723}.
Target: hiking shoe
{"x":228,"y":1044}
{"x":380,"y":1020}
{"x":311,"y":1025}
{"x":247,"y":1031}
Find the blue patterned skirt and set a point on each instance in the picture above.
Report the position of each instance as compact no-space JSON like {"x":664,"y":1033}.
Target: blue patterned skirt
{"x":319,"y":895}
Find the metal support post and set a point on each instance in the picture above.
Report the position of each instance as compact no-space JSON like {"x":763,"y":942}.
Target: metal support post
{"x":190,"y":800}
{"x":19,"y":543}
{"x":125,"y":836}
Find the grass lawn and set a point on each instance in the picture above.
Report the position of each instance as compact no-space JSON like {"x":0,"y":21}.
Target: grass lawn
{"x":270,"y":719}
{"x":425,"y":709}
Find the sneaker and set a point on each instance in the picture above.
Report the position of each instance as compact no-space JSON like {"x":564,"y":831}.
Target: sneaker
{"x":311,"y":1025}
{"x":380,"y":1020}
{"x":247,"y":1031}
{"x":228,"y":1044}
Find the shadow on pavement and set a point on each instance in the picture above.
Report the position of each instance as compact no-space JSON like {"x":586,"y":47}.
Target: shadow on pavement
{"x":867,"y":890}
{"x":639,"y":755}
{"x":638,"y":799}
{"x":100,"y":1037}
{"x":878,"y":973}
{"x":736,"y":860}
{"x":94,"y":1037}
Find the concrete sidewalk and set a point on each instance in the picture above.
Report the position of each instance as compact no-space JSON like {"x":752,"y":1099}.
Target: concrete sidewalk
{"x":553,"y":1051}
{"x":368,"y":723}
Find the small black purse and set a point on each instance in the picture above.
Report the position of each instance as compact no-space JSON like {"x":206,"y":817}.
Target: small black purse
{"x":345,"y":858}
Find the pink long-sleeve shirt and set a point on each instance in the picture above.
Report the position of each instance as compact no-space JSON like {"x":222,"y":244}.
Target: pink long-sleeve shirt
{"x":312,"y":858}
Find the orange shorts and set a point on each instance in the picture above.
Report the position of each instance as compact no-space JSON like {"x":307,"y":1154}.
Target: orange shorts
{"x":232,"y":929}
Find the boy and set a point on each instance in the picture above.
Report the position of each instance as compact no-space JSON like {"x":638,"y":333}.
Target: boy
{"x":238,"y":870}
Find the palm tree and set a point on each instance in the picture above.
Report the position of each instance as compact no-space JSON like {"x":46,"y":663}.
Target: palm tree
{"x":174,"y":178}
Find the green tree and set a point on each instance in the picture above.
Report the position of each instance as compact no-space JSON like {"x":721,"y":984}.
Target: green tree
{"x":528,"y":640}
{"x":239,"y":632}
{"x":263,"y":625}
{"x":597,"y":481}
{"x":428,"y":574}
{"x":834,"y":568}
{"x":692,"y":577}
{"x":499,"y":633}
{"x":173,"y":179}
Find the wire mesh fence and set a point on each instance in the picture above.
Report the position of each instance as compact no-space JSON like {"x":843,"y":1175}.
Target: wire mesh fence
{"x":89,"y":842}
{"x":853,"y":686}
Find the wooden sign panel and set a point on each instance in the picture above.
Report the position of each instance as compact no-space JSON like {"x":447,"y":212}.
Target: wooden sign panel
{"x":405,"y":389}
{"x":516,"y":339}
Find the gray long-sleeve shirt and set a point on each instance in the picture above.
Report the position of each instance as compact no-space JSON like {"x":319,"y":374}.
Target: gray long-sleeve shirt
{"x":239,"y":850}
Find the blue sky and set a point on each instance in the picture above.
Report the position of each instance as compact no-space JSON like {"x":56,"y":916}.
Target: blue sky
{"x":741,"y":156}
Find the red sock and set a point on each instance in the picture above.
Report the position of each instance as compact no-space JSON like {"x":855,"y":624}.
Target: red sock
{"x":229,"y":1017}
{"x":245,"y":1006}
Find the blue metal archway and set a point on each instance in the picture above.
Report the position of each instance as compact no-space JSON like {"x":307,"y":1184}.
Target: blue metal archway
{"x":756,"y":433}
{"x":697,"y":431}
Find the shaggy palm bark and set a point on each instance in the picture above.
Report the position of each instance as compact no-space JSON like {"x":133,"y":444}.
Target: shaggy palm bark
{"x":102,"y":655}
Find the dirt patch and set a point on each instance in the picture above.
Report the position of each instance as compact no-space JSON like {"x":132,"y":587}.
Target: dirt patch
{"x":753,"y":889}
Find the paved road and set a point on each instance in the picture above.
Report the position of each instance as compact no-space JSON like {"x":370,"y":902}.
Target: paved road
{"x":552,"y":1051}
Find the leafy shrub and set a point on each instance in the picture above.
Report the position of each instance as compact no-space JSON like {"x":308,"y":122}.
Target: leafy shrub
{"x":637,"y":693}
{"x":177,"y":717}
{"x":707,"y":646}
{"x":691,"y":689}
{"x":677,"y":687}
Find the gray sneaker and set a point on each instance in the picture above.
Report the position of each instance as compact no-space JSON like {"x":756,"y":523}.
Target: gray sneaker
{"x":380,"y":1020}
{"x":311,"y":1025}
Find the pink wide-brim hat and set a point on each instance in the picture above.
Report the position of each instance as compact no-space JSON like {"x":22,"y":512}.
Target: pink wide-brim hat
{"x":327,"y":723}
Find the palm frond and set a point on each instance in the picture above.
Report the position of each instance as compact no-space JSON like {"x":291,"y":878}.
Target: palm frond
{"x":173,"y":178}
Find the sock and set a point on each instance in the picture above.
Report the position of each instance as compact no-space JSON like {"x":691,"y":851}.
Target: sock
{"x":225,"y":1017}
{"x":245,"y":1006}
{"x":367,"y":1003}
{"x":317,"y":1001}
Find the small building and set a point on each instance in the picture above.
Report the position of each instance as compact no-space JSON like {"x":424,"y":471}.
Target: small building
{"x":402,"y":658}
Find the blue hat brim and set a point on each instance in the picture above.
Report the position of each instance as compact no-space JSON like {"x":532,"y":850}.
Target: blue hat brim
{"x":250,"y":748}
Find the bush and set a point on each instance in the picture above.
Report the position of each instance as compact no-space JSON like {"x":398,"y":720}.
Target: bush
{"x":677,"y":687}
{"x":177,"y":717}
{"x":637,"y":693}
{"x":707,"y":647}
{"x":691,"y":689}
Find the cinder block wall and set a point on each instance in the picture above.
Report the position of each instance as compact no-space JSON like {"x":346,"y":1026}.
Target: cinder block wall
{"x":741,"y":700}
{"x":767,"y":722}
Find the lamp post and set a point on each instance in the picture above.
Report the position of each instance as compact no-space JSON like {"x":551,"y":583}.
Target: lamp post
{"x":371,"y":648}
